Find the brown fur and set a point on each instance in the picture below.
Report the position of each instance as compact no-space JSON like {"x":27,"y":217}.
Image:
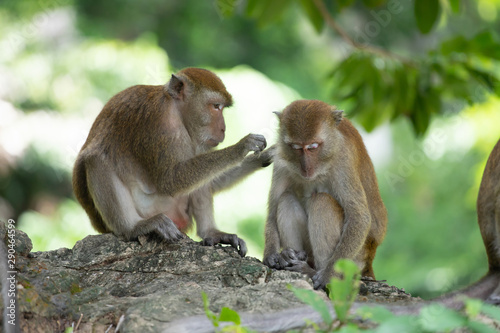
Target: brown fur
{"x":148,"y":164}
{"x":311,"y":185}
{"x":203,"y":80}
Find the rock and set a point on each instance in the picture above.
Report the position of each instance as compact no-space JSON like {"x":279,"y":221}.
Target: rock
{"x":103,"y":279}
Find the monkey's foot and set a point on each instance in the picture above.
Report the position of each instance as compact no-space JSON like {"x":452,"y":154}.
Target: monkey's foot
{"x":219,"y":237}
{"x":322,"y":278}
{"x":290,"y":260}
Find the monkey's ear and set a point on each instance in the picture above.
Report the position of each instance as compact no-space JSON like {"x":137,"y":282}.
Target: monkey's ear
{"x":278,"y":113}
{"x":175,"y":87}
{"x":337,"y":115}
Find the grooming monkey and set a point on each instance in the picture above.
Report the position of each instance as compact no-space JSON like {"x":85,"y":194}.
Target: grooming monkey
{"x":148,"y":165}
{"x":324,"y":202}
{"x":487,"y":288}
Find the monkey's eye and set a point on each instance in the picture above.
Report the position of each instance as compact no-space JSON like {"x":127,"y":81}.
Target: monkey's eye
{"x":218,"y":106}
{"x":312,"y":146}
{"x":295,"y":146}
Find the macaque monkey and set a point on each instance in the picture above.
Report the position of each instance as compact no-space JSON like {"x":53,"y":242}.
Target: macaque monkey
{"x":324,"y":202}
{"x":148,"y":165}
{"x":488,"y":216}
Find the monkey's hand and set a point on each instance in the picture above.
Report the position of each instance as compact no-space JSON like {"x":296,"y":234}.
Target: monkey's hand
{"x":252,"y":142}
{"x":287,"y":258}
{"x":291,"y":255}
{"x":275,"y":261}
{"x":219,"y":237}
{"x":267,"y":156}
{"x":322,"y":278}
{"x":297,"y":262}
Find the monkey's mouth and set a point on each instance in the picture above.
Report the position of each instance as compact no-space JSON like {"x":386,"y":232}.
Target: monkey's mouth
{"x":307,"y":174}
{"x":213,"y":142}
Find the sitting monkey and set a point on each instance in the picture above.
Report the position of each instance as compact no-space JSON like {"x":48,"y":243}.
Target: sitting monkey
{"x":148,"y":164}
{"x":324,"y":202}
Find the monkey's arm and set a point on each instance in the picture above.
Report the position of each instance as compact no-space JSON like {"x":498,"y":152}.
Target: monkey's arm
{"x":357,"y":222}
{"x":250,"y":164}
{"x":202,"y":208}
{"x":272,"y":257}
{"x":183,"y":177}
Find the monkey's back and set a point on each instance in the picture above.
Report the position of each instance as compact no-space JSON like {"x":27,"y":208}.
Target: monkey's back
{"x":488,"y":207}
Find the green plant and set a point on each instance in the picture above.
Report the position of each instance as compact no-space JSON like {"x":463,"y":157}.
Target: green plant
{"x":226,"y":315}
{"x":342,"y":293}
{"x":433,"y":318}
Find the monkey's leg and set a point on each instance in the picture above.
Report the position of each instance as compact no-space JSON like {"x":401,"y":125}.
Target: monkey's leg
{"x":114,"y":202}
{"x":325,"y":222}
{"x":202,"y":209}
{"x":292,"y":224}
{"x":294,"y":237}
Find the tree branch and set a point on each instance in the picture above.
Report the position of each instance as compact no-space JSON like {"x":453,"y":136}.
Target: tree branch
{"x":365,"y":47}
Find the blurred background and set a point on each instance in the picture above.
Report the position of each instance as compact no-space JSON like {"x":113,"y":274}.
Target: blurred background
{"x":419,"y":79}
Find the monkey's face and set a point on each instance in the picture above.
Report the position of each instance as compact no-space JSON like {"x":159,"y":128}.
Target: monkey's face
{"x":303,"y":157}
{"x":216,"y":126}
{"x":306,"y":130}
{"x":205,"y":119}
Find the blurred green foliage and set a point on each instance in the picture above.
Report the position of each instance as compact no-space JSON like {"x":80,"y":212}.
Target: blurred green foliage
{"x":416,"y":66}
{"x":378,"y":85}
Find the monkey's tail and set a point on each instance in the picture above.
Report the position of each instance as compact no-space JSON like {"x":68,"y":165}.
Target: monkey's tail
{"x":482,"y":289}
{"x":82,"y":194}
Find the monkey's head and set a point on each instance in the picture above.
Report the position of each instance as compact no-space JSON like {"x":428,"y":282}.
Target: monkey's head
{"x":308,"y":136}
{"x":201,"y":97}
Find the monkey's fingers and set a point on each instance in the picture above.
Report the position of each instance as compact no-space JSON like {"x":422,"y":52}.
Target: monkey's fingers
{"x":230,"y":239}
{"x":169,"y":232}
{"x":291,"y":256}
{"x":267,"y":156}
{"x":238,"y":243}
{"x":275,"y":261}
{"x":320,"y":279}
{"x":260,"y":143}
{"x":242,"y":247}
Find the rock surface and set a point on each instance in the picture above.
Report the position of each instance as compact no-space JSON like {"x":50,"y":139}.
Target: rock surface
{"x":103,"y":279}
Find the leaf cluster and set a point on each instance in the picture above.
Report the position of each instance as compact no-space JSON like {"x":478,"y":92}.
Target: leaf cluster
{"x":377,"y":85}
{"x":434,"y":318}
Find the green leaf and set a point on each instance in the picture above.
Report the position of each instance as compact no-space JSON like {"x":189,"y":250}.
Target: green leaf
{"x":473,"y":307}
{"x":343,"y":291}
{"x":426,"y":14}
{"x":349,"y":328}
{"x":438,"y":318}
{"x":312,"y":299}
{"x":420,"y":116}
{"x":227,"y":314}
{"x":455,"y":6}
{"x":376,"y":314}
{"x":341,"y":4}
{"x":398,"y":324}
{"x":226,"y":7}
{"x":313,"y":14}
{"x":374,"y":3}
{"x":210,"y":315}
{"x":348,"y":268}
{"x":455,"y":45}
{"x":487,"y":44}
{"x":267,"y":12}
{"x":491,"y":311}
{"x":483,"y":77}
{"x":478,"y":327}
